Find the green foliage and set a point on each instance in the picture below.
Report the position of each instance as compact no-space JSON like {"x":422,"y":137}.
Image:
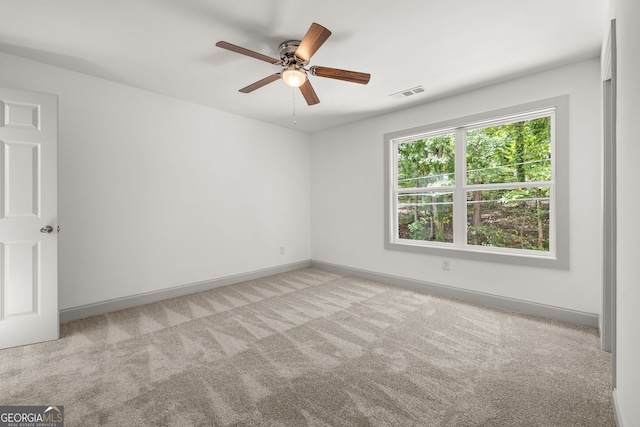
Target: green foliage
{"x":512,"y":152}
{"x":418,"y":230}
{"x":426,"y":162}
{"x":485,"y":235}
{"x":517,"y":224}
{"x":431,"y":229}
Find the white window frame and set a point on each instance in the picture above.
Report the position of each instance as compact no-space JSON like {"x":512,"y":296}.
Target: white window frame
{"x":558,"y":254}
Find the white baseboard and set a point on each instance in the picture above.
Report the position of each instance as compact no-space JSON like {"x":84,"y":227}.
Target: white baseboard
{"x":102,"y":307}
{"x":520,"y":306}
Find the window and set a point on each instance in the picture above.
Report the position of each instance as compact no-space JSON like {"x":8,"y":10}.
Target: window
{"x":489,"y":187}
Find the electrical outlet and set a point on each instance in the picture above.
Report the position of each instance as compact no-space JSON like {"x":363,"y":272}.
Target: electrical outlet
{"x":281,"y":250}
{"x":446,"y":264}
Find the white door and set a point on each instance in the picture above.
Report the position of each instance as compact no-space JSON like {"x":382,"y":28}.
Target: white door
{"x":28,"y":218}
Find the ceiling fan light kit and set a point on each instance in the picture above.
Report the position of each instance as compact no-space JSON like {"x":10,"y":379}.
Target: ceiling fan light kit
{"x":293,"y":77}
{"x":294,"y":58}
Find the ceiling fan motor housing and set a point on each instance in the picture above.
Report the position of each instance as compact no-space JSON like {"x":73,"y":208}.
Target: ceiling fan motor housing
{"x":287,"y":52}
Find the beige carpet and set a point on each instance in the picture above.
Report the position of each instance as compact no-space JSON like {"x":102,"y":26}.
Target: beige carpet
{"x":313,"y":348}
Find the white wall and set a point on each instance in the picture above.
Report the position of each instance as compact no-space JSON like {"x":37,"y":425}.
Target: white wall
{"x":156,"y":193}
{"x":347,"y":194}
{"x":627,"y":14}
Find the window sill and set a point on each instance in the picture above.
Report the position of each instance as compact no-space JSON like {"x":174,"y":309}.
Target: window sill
{"x":484,"y":254}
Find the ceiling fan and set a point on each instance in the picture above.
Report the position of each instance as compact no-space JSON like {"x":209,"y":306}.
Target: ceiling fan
{"x":294,"y":59}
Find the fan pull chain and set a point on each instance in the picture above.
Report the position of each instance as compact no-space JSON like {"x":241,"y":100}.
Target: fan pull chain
{"x":295,"y":121}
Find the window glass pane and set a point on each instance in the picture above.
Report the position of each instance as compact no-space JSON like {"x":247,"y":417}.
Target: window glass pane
{"x":517,"y":218}
{"x":426,"y":216}
{"x":512,"y":152}
{"x":426,"y":162}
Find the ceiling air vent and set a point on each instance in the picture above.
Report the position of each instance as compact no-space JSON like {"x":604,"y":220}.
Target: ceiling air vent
{"x":407,"y":92}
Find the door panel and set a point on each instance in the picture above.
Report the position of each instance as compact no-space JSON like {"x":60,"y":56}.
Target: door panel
{"x":28,"y":203}
{"x":20,"y":285}
{"x":20,"y":114}
{"x":21,"y":179}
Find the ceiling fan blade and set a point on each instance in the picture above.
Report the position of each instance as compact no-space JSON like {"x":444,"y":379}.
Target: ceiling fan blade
{"x":309,"y":94}
{"x":347,"y":76}
{"x":311,"y":42}
{"x":243,"y":51}
{"x":260,"y":83}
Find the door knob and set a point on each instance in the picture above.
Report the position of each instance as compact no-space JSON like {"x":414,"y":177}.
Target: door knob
{"x":48,"y":229}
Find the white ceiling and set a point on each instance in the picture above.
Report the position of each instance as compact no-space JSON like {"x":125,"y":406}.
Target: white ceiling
{"x":168,"y":47}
